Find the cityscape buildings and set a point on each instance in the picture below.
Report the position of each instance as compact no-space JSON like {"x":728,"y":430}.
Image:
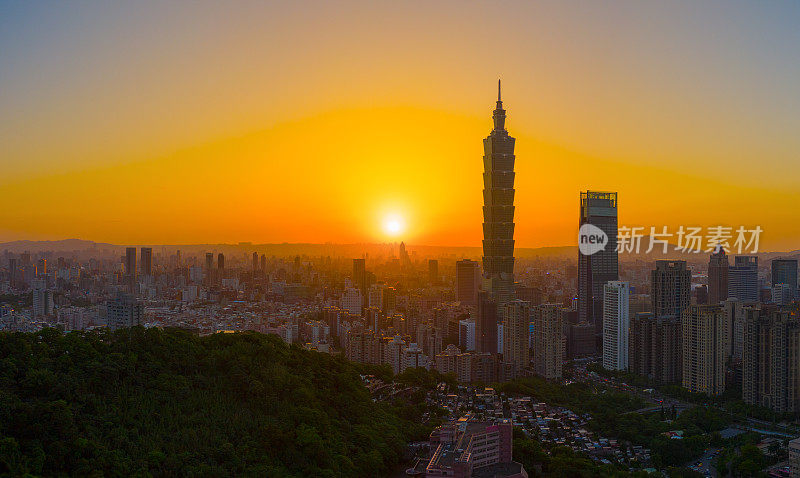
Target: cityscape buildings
{"x":600,"y":210}
{"x":616,"y":324}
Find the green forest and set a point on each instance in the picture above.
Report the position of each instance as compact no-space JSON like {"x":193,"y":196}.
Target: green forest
{"x":147,"y":402}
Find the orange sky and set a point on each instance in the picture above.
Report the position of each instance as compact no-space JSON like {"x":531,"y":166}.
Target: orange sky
{"x":283,"y":124}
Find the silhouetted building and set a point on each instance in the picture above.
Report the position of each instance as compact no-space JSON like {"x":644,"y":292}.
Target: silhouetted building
{"x":486,"y":325}
{"x":718,"y":277}
{"x":600,"y":210}
{"x":221,"y":262}
{"x":146,"y":266}
{"x":433,"y":271}
{"x":467,"y":277}
{"x":498,"y":209}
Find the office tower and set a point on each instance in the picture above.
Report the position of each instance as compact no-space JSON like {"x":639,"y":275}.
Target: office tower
{"x":770,"y":358}
{"x":466,"y":335}
{"x":209,"y":262}
{"x":498,"y":209}
{"x":600,"y":210}
{"x":616,"y":321}
{"x":516,"y":317}
{"x":263,"y":263}
{"x":718,"y":277}
{"x":42,"y":298}
{"x":221,"y":262}
{"x":124,"y":311}
{"x":703,"y":349}
{"x":548,"y":340}
{"x":743,"y":278}
{"x":784,"y":271}
{"x":671,"y":288}
{"x":146,"y":265}
{"x":130,"y":262}
{"x":433,"y":271}
{"x":255,"y":261}
{"x":655,"y":349}
{"x":486,"y":325}
{"x":467,"y":278}
{"x":41,"y":268}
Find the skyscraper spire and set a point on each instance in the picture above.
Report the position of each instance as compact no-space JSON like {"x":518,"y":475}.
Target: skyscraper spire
{"x":498,"y":90}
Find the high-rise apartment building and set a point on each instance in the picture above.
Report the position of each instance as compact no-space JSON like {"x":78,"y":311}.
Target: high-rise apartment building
{"x":718,"y":277}
{"x":703,"y":349}
{"x":548,"y":340}
{"x":146,"y":264}
{"x":498,"y":208}
{"x":467,"y":282}
{"x":516,"y":317}
{"x":42,"y":298}
{"x":743,"y":279}
{"x":600,"y":210}
{"x":671,"y":288}
{"x":616,"y":323}
{"x":771,"y":359}
{"x":655,"y":347}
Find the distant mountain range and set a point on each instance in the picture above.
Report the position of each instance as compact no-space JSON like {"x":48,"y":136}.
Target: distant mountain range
{"x":357,"y":250}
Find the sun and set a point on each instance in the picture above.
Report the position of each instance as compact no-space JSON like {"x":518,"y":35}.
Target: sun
{"x":393,"y":225}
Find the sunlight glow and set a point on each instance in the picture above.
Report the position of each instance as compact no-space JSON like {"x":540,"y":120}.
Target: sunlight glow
{"x":393,"y":225}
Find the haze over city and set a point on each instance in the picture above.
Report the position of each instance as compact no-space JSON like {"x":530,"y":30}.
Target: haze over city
{"x":284,"y":123}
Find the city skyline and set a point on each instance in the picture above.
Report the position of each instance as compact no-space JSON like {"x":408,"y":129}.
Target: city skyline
{"x":105,"y":149}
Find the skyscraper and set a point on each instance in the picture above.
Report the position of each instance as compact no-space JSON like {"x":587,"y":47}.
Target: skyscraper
{"x":433,"y":271}
{"x":498,"y":208}
{"x":616,"y":322}
{"x":130,"y":262}
{"x":743,"y":278}
{"x":784,"y":271}
{"x":255,"y":261}
{"x":221,"y":262}
{"x":467,"y":282}
{"x":671,"y":288}
{"x":600,"y":210}
{"x":146,"y":266}
{"x":516,"y":317}
{"x":718,"y":277}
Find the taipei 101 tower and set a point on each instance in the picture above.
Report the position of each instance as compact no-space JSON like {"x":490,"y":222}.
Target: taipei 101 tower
{"x":498,"y":209}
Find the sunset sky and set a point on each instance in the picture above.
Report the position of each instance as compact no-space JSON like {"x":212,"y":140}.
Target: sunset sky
{"x":207,"y":122}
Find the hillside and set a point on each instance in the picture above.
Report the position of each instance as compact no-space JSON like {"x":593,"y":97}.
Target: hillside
{"x":165,"y":402}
